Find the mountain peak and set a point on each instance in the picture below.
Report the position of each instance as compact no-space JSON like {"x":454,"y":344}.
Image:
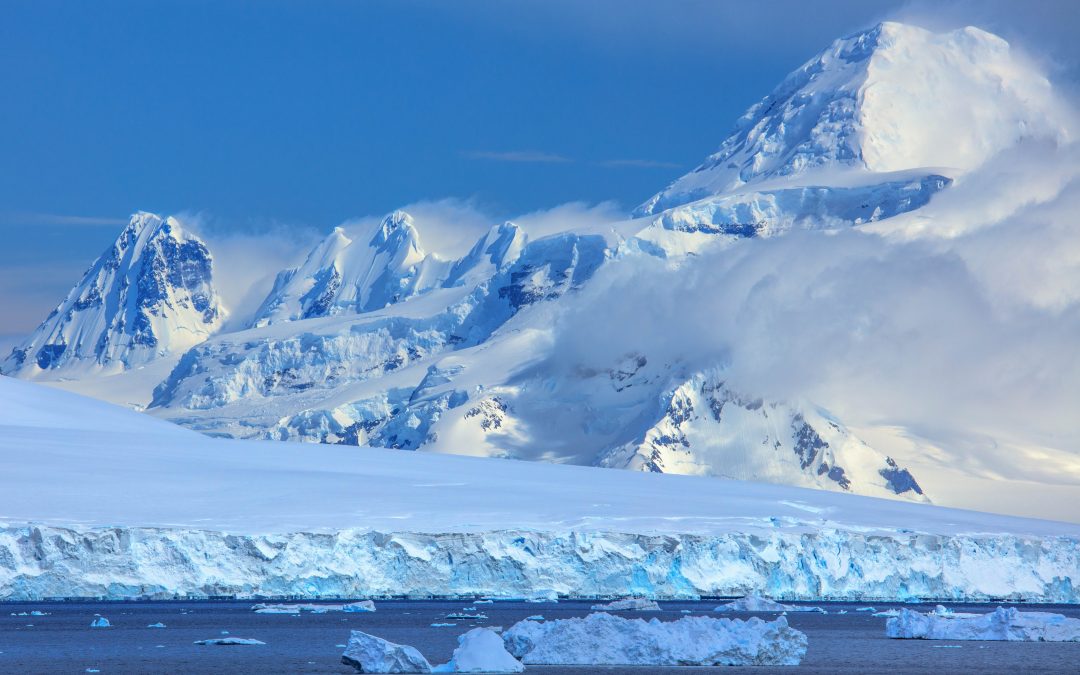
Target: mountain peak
{"x":891,"y":98}
{"x":149,"y":294}
{"x":396,"y":226}
{"x":341,"y":274}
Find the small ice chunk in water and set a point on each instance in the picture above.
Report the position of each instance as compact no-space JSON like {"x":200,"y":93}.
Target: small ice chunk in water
{"x":228,"y":642}
{"x":630,"y":604}
{"x":156,"y":625}
{"x":100,"y":622}
{"x":756,"y":603}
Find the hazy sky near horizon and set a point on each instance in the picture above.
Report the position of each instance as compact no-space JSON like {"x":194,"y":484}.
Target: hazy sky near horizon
{"x":272,"y":115}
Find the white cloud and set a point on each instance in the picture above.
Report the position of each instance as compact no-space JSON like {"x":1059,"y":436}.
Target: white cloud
{"x":637,"y":164}
{"x":963,"y":329}
{"x":522,"y":156}
{"x":34,"y":218}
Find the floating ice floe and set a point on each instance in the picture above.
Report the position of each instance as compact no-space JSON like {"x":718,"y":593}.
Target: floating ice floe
{"x":38,"y":613}
{"x":370,"y":654}
{"x":442,"y":625}
{"x":756,"y":603}
{"x":156,"y":625}
{"x":483,"y":602}
{"x":946,"y":612}
{"x":605,"y":639}
{"x":481,"y":650}
{"x":100,"y":622}
{"x":546,"y":595}
{"x":866,"y":609}
{"x":284,"y":608}
{"x":1004,"y":623}
{"x":535,"y":617}
{"x":228,"y":642}
{"x":629,"y":604}
{"x":464,"y":617}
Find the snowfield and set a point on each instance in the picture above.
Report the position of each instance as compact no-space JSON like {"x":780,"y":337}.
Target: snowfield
{"x":104,"y":502}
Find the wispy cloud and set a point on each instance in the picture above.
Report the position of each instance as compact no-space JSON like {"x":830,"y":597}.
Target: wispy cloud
{"x":32,"y":218}
{"x":523,"y":156}
{"x":541,"y":157}
{"x":638,"y":164}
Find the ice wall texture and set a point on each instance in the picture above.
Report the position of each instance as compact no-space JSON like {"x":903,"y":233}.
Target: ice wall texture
{"x":121,"y":563}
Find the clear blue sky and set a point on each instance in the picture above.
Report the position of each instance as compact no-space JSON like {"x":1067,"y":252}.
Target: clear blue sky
{"x":309,"y":113}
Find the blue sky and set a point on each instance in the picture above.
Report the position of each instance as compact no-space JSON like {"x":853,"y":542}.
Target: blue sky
{"x":303,"y":114}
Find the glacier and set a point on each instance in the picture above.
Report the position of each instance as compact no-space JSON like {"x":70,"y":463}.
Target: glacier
{"x":41,"y":562}
{"x":161,"y":512}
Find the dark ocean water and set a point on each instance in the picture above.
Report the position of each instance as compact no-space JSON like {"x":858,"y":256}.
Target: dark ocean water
{"x":63,"y":641}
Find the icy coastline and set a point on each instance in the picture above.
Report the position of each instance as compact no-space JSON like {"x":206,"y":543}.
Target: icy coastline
{"x":38,"y":562}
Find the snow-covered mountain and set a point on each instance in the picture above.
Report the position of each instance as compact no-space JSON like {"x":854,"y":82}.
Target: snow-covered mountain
{"x":343,"y":275}
{"x":895,"y":98}
{"x":150,"y":294}
{"x":375,"y":341}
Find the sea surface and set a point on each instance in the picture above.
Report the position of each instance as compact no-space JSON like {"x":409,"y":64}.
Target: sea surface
{"x":63,"y":642}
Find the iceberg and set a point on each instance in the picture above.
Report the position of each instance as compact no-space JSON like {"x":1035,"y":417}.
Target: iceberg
{"x":481,"y":650}
{"x":100,"y":622}
{"x":229,"y":642}
{"x":756,"y":603}
{"x":543,"y":596}
{"x":629,"y":604}
{"x":1004,"y":623}
{"x":605,"y":639}
{"x":370,"y":654}
{"x":156,"y":625}
{"x":283,"y":608}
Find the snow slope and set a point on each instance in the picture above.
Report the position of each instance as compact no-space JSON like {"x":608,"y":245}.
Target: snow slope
{"x":122,"y":505}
